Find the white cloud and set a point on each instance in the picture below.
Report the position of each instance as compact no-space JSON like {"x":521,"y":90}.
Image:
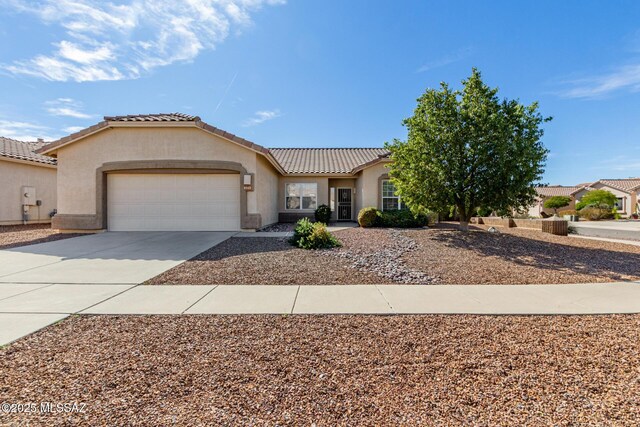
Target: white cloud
{"x":456,"y":56}
{"x":66,"y":107}
{"x":24,"y":131}
{"x":623,"y":78}
{"x":261,"y":117}
{"x":108,"y":41}
{"x":73,"y":129}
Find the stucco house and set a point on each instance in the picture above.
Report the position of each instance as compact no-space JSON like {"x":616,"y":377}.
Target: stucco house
{"x":176,"y":172}
{"x":626,"y":191}
{"x":537,"y":209}
{"x":27,"y":183}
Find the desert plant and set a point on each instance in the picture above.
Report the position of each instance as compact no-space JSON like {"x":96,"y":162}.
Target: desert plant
{"x":402,"y":219}
{"x":369,"y":217}
{"x":595,"y":213}
{"x":557,"y":202}
{"x":308,"y":235}
{"x":597,"y":198}
{"x":303,"y":229}
{"x":323,"y":214}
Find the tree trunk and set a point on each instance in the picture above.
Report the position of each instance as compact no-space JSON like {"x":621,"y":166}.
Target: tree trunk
{"x":464,"y":220}
{"x":464,"y":225}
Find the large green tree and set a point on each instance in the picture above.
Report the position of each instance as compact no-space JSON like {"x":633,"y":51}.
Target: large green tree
{"x":469,"y":149}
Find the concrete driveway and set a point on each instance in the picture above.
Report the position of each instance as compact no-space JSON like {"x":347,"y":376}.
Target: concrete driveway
{"x":106,"y":258}
{"x":625,"y":230}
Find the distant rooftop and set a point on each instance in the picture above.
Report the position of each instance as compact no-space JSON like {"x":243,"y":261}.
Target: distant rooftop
{"x":24,"y":150}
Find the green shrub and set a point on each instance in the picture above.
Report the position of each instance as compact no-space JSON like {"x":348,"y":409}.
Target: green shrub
{"x":308,"y":235}
{"x":403,"y":219}
{"x":369,"y":217}
{"x":594,"y":213}
{"x":323,"y":214}
{"x":482,"y":211}
{"x":597,"y":198}
{"x":303,"y":229}
{"x":557,"y":202}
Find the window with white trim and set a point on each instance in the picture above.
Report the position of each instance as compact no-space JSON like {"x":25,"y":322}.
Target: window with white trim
{"x":301,"y":196}
{"x":390,"y":201}
{"x":620,"y":204}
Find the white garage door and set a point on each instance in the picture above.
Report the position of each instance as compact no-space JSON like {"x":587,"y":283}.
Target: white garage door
{"x":173,"y":202}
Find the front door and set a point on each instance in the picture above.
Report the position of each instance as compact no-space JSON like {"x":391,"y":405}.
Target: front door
{"x":344,"y":204}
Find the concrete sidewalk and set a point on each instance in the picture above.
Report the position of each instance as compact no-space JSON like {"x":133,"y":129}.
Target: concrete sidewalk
{"x":25,"y":308}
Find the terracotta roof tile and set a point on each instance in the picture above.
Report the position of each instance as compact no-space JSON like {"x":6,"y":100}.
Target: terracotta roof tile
{"x":627,"y":184}
{"x":161,"y":117}
{"x":556,"y":190}
{"x":24,"y":150}
{"x":325,"y":160}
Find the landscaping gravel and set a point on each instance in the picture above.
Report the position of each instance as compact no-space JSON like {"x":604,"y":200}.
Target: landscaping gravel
{"x":518,"y":256}
{"x":386,"y":260}
{"x":439,"y":255}
{"x":279,"y":227}
{"x":329,"y":370}
{"x":264,"y":261}
{"x":12,"y":236}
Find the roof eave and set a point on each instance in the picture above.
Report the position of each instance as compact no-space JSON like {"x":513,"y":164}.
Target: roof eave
{"x":28,"y":162}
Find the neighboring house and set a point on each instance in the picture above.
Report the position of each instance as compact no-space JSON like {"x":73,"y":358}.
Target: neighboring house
{"x":22,"y":171}
{"x":176,"y":172}
{"x":538,"y":210}
{"x":626,"y":191}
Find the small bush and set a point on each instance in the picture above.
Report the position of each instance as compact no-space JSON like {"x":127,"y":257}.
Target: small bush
{"x":403,"y":219}
{"x":593,"y":213}
{"x":323,"y":214}
{"x":597,"y":198}
{"x":308,"y":235}
{"x":303,"y":229}
{"x":369,"y":217}
{"x":557,"y":202}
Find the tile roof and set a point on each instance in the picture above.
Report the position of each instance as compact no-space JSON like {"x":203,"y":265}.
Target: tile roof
{"x":556,"y":190}
{"x":325,"y":160}
{"x":161,"y":117}
{"x":627,"y":184}
{"x":23,"y":150}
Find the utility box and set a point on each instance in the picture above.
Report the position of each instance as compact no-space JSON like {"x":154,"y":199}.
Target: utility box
{"x":29,"y":196}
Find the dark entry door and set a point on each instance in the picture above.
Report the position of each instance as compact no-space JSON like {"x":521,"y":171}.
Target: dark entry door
{"x":344,"y":204}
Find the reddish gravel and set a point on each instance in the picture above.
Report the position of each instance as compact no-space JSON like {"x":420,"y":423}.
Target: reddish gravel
{"x":440,"y":255}
{"x":519,"y":256}
{"x":263,"y":261}
{"x":330,"y":370}
{"x":12,"y":236}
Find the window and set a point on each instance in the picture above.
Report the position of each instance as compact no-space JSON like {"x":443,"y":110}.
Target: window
{"x":301,"y":196}
{"x":620,"y":204}
{"x":390,"y":201}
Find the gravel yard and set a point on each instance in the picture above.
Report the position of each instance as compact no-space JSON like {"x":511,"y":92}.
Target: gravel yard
{"x":330,"y":370}
{"x":440,"y":255}
{"x":264,"y":261}
{"x":12,"y":236}
{"x":519,"y":256}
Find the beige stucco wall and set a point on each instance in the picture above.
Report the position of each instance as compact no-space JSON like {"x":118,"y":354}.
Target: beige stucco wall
{"x":367,"y":192}
{"x":77,"y":162}
{"x":14,"y":175}
{"x":266,"y":188}
{"x":323,"y":190}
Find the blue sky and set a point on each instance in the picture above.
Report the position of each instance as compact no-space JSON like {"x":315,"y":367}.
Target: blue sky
{"x":326,"y":73}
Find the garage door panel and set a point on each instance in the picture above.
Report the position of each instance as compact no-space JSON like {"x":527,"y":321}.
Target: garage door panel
{"x":173,"y":202}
